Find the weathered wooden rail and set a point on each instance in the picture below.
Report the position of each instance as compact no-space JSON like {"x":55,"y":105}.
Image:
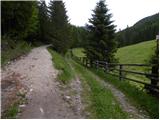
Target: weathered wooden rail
{"x":110,"y":67}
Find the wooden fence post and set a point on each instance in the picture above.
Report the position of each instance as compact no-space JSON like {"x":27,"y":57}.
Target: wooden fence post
{"x":120,"y":72}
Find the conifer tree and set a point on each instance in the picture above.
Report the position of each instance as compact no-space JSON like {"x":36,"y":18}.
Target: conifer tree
{"x":60,"y":26}
{"x":102,"y":45}
{"x":43,"y":21}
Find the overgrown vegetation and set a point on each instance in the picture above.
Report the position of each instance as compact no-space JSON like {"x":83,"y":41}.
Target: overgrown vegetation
{"x":138,"y":97}
{"x":11,"y":49}
{"x":78,"y":52}
{"x":65,"y":71}
{"x":103,"y":103}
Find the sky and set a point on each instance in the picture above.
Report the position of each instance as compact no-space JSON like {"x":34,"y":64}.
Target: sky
{"x":124,"y":12}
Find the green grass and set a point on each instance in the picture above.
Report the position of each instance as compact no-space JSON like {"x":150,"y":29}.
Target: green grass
{"x":61,"y":63}
{"x":13,"y":50}
{"x":137,"y":53}
{"x":101,"y":98}
{"x":138,"y":97}
{"x":78,"y":52}
{"x":11,"y":113}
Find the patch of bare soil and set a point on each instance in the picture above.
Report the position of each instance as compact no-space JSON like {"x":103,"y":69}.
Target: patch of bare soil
{"x":11,"y":90}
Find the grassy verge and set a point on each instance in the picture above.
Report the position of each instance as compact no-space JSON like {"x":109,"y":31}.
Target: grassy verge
{"x":138,"y":97}
{"x":13,"y":50}
{"x":62,"y":64}
{"x":103,"y":104}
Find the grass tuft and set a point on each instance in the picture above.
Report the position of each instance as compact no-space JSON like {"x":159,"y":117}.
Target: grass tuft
{"x":61,"y":63}
{"x":11,"y":113}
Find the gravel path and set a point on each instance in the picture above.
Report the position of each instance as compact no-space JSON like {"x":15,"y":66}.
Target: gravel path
{"x":125,"y":104}
{"x":44,"y":96}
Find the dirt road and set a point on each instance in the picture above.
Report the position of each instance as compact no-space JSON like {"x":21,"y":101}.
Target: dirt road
{"x":44,"y":96}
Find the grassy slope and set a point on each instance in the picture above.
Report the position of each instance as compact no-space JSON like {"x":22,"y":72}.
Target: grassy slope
{"x":138,"y":53}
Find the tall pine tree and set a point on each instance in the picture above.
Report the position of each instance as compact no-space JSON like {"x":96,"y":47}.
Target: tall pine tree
{"x":102,"y":45}
{"x":60,"y":26}
{"x":43,"y":21}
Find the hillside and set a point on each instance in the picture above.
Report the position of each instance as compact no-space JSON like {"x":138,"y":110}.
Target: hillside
{"x":137,"y":53}
{"x":143,"y":30}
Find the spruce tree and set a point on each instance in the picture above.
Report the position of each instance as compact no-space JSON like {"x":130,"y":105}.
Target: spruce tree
{"x":60,"y":26}
{"x":43,"y":21}
{"x":32,"y":28}
{"x":102,"y":45}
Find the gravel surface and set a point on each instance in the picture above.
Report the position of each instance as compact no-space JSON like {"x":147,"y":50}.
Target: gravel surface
{"x":45,"y":99}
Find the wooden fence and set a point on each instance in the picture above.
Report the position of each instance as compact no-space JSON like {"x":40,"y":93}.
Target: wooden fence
{"x":120,"y":68}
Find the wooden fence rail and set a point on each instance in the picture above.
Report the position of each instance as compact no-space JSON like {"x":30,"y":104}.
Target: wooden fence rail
{"x":108,"y":67}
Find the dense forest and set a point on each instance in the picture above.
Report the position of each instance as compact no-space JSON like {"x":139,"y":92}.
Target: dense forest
{"x":35,"y":22}
{"x":144,"y":30}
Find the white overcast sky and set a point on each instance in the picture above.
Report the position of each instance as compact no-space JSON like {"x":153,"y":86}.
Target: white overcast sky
{"x":125,"y":12}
